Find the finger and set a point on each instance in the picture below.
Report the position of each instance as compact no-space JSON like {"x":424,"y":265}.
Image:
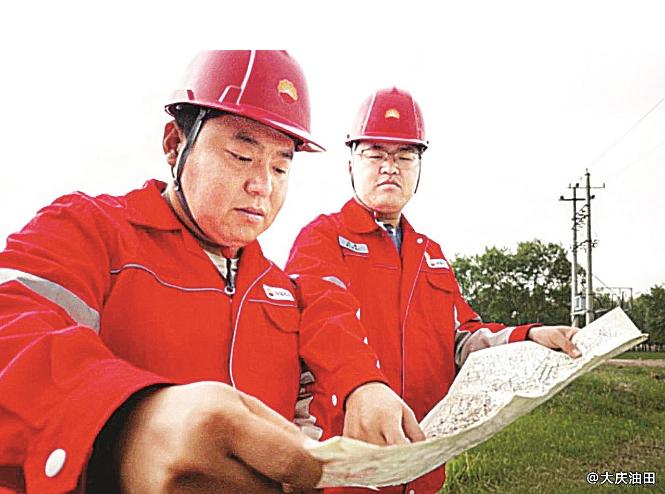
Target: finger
{"x":373,"y":434}
{"x":355,"y":429}
{"x":259,"y":408}
{"x":287,"y":489}
{"x":246,"y":479}
{"x":570,"y":332}
{"x":273,"y":451}
{"x":230,"y":476}
{"x":393,"y":433}
{"x":351,"y":427}
{"x":568,"y":346}
{"x":411,"y":427}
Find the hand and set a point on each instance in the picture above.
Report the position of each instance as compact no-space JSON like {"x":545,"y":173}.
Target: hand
{"x":209,"y":437}
{"x":556,"y":337}
{"x":376,"y":414}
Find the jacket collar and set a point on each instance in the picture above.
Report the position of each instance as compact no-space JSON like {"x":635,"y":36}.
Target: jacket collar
{"x":146,"y":207}
{"x":359,"y":219}
{"x":252,"y":264}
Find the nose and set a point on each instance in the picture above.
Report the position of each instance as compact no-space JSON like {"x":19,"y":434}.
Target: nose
{"x":389,"y":166}
{"x":260,"y":181}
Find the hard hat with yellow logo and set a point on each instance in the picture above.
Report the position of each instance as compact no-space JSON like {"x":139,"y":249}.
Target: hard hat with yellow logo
{"x":389,"y":115}
{"x":265,"y":85}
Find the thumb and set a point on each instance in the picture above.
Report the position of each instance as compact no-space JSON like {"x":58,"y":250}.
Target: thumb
{"x":569,"y":347}
{"x":410,"y":424}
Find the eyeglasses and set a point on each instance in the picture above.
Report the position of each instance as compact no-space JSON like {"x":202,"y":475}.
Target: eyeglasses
{"x":403,"y":159}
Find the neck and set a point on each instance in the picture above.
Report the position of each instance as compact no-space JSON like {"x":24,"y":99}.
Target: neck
{"x":172,"y":199}
{"x":390,"y":218}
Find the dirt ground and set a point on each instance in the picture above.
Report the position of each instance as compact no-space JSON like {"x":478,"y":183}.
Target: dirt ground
{"x":636,"y":363}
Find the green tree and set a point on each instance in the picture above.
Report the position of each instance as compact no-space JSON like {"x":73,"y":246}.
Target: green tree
{"x":648,"y":313}
{"x":531,"y":284}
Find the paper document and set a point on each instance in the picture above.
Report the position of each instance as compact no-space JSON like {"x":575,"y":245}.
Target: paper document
{"x":494,"y":387}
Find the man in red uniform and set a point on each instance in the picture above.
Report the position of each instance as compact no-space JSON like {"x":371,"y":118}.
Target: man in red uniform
{"x":134,"y":329}
{"x":367,"y":271}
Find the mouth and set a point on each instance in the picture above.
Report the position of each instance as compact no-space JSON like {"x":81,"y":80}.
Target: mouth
{"x":390,"y":183}
{"x":252,"y":214}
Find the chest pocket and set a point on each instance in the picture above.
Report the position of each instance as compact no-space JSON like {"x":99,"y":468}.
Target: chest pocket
{"x":267,"y":364}
{"x":284,"y":317}
{"x":439,"y":292}
{"x":441,"y":280}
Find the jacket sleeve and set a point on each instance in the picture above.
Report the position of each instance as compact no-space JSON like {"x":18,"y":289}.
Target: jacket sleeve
{"x":472,"y":334}
{"x":58,"y":382}
{"x":332,"y":337}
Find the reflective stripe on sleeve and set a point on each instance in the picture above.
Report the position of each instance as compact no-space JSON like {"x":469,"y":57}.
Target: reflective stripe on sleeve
{"x":467,"y":342}
{"x":77,"y":309}
{"x":457,"y":324}
{"x":335,"y":280}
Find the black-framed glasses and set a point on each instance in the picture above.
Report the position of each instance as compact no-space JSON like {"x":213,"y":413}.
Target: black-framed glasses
{"x":403,"y":159}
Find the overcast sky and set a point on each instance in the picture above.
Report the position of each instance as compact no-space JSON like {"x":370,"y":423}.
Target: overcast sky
{"x":519,"y":98}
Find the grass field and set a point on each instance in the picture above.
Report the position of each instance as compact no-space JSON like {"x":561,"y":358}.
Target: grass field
{"x":643,"y":355}
{"x":612,"y":419}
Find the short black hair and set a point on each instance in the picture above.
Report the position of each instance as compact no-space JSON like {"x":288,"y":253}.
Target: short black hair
{"x":185,"y":114}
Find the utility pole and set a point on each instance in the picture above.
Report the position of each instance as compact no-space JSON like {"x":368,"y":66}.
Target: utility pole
{"x":574,"y":312}
{"x":577,"y":308}
{"x":589,"y":249}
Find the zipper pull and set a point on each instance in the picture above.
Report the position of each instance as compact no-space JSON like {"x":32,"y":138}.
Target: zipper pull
{"x":231,"y":271}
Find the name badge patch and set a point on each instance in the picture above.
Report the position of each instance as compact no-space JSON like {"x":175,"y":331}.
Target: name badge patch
{"x":436,"y":263}
{"x":347,"y":244}
{"x":277,"y":293}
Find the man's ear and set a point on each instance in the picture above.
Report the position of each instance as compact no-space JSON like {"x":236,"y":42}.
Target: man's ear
{"x":173,"y":139}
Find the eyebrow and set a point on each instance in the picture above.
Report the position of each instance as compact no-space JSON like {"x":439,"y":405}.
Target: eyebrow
{"x":247,"y":138}
{"x":286,"y":154}
{"x":401,"y":148}
{"x":241,"y":136}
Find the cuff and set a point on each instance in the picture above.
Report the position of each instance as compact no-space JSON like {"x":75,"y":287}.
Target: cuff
{"x":521,"y":332}
{"x":61,"y":451}
{"x":102,"y":473}
{"x":349,"y":377}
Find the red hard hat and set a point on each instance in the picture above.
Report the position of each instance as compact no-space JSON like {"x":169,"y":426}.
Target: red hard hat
{"x":389,"y":115}
{"x":265,"y":85}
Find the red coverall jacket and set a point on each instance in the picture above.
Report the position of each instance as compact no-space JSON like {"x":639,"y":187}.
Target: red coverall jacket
{"x":101,"y":297}
{"x":408,"y":309}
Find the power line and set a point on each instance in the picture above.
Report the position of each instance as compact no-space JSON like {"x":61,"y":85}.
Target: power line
{"x":604,"y":284}
{"x":623,"y":136}
{"x":618,"y":291}
{"x":638,"y":159}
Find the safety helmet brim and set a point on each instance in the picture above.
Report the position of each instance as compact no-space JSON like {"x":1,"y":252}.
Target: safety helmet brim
{"x":389,"y":115}
{"x":306,"y":143}
{"x":267,"y":86}
{"x":350,"y":140}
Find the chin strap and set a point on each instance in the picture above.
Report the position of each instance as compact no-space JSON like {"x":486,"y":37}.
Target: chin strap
{"x":420,"y":168}
{"x":375,"y":215}
{"x":353,"y":147}
{"x":180,"y":166}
